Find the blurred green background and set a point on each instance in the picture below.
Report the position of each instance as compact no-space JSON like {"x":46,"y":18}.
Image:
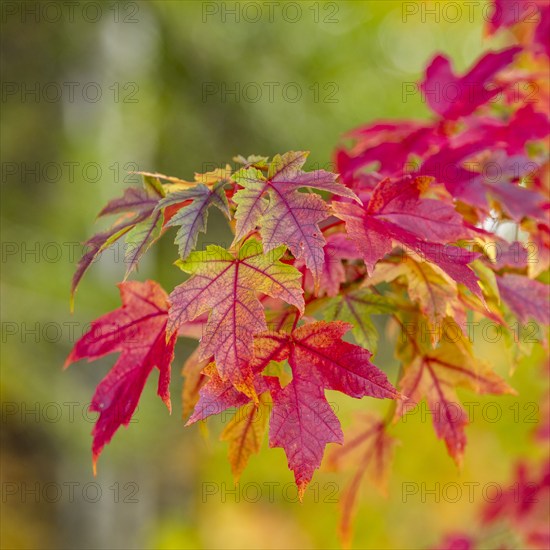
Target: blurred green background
{"x":96,"y":89}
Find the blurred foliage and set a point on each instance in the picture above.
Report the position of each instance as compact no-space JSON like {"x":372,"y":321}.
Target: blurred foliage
{"x":167,"y":56}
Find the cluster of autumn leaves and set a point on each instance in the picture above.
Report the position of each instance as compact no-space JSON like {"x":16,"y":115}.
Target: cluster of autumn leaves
{"x":226,"y":294}
{"x":315,"y":255}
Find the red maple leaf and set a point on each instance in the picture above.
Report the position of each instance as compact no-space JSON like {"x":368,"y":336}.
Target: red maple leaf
{"x":138,"y":331}
{"x":285,"y":215}
{"x":451,"y":96}
{"x":528,"y":299}
{"x":302,"y":421}
{"x":396,"y":213}
{"x":227,"y":287}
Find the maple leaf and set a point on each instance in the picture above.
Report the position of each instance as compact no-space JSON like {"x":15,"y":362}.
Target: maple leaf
{"x":227,"y":287}
{"x":138,"y":222}
{"x":138,"y":331}
{"x":525,"y":297}
{"x":190,"y":212}
{"x":451,"y":96}
{"x":245,"y":433}
{"x":400,"y":202}
{"x":434,"y":374}
{"x":396,"y":212}
{"x":356,"y":307}
{"x":302,"y":421}
{"x":389,"y":144}
{"x":285,"y":215}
